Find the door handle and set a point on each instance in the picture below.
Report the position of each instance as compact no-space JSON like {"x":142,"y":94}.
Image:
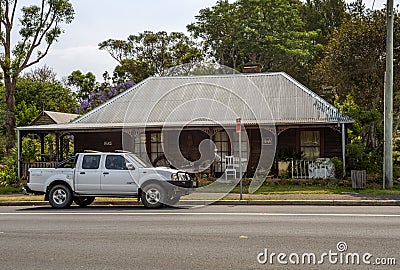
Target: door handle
{"x":130,"y":183}
{"x":106,"y":173}
{"x":82,"y":173}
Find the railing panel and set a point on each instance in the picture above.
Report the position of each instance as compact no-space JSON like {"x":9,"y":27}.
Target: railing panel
{"x":27,"y":165}
{"x":320,"y":168}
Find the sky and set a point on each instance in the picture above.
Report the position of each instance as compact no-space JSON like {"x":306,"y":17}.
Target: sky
{"x":99,"y":20}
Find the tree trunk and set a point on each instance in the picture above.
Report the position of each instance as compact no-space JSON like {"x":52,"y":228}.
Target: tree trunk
{"x":10,"y":122}
{"x":371,"y":143}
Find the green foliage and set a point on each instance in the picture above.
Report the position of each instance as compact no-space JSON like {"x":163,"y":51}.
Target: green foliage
{"x":8,"y":169}
{"x":43,"y":95}
{"x":260,"y":31}
{"x":8,"y":176}
{"x":323,"y":16}
{"x":25,"y":114}
{"x":92,"y":94}
{"x":355,"y":156}
{"x":148,"y":54}
{"x":360,"y":158}
{"x":84,"y":84}
{"x":30,"y":149}
{"x":353,"y":68}
{"x":337,"y":162}
{"x":367,"y":127}
{"x":10,"y":190}
{"x":49,"y":147}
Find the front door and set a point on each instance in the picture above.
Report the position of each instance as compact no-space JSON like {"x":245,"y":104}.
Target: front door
{"x":116,"y":178}
{"x":88,"y":175}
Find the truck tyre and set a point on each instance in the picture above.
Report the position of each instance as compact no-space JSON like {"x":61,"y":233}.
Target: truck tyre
{"x":83,"y":201}
{"x":60,"y":196}
{"x":153,"y":196}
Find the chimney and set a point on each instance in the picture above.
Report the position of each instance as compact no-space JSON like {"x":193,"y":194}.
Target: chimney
{"x":251,"y":68}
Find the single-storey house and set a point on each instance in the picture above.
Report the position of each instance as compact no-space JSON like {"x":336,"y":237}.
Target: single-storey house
{"x":166,"y":119}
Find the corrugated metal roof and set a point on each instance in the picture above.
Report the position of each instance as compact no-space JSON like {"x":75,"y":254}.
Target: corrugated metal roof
{"x":50,"y":117}
{"x":60,"y":117}
{"x":270,"y":98}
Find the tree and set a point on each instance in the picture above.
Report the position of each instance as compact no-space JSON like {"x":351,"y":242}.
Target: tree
{"x":268,"y":32}
{"x":40,"y":26}
{"x":25,"y":114}
{"x":221,"y":43}
{"x":39,"y":90}
{"x":323,"y":16}
{"x":83,"y":84}
{"x":102,"y":93}
{"x":91,"y":93}
{"x":353,"y":69}
{"x":41,"y":74}
{"x":148,"y":54}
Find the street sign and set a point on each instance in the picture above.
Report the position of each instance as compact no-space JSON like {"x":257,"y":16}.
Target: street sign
{"x":238,"y":125}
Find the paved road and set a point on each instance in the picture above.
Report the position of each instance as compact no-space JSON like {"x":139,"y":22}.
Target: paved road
{"x":213,"y":237}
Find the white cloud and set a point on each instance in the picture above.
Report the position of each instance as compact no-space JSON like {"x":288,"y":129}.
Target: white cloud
{"x":84,"y":58}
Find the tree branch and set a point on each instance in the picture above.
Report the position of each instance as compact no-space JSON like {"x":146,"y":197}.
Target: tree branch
{"x":13,"y":10}
{"x":37,"y":41}
{"x":37,"y":59}
{"x":6,"y":13}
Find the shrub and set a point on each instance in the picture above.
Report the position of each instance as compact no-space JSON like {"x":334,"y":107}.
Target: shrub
{"x":30,"y":149}
{"x":8,"y":171}
{"x":337,"y":162}
{"x":359,"y":158}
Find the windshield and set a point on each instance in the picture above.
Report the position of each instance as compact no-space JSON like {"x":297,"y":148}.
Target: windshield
{"x":141,"y":162}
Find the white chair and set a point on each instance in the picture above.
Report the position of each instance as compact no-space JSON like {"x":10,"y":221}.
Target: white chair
{"x":230,"y":168}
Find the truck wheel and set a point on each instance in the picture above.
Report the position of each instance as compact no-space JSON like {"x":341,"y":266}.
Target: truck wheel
{"x":83,"y":201}
{"x":60,"y":196}
{"x":153,"y":196}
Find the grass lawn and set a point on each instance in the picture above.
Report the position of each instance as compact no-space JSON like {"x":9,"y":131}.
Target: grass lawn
{"x":292,"y":187}
{"x":10,"y":190}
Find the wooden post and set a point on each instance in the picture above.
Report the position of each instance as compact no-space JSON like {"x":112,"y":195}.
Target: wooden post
{"x":19,"y":153}
{"x":57,"y":146}
{"x":41,"y":135}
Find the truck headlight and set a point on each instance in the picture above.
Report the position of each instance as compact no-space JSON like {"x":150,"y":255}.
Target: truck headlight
{"x":174,"y":177}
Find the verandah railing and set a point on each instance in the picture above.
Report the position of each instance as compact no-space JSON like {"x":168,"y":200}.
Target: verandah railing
{"x":27,"y":165}
{"x":320,"y":168}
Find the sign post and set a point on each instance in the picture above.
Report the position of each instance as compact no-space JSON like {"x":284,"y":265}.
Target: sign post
{"x":239,"y":131}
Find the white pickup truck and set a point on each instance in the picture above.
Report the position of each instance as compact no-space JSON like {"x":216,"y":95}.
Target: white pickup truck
{"x":88,"y":175}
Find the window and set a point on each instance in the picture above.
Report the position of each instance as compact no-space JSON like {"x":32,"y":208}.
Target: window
{"x":155,"y":146}
{"x":310,"y":144}
{"x":91,"y":162}
{"x":221,"y":141}
{"x":115,"y":162}
{"x":140,"y":144}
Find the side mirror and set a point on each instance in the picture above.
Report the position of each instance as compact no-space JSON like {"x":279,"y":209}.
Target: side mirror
{"x":130,"y":166}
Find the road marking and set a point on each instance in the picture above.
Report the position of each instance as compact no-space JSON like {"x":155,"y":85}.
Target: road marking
{"x":194,"y":214}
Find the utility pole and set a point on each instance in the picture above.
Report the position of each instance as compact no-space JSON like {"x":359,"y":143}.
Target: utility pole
{"x":388,"y":101}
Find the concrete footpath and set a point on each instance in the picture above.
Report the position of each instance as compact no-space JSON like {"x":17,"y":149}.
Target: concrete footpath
{"x":344,"y":199}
